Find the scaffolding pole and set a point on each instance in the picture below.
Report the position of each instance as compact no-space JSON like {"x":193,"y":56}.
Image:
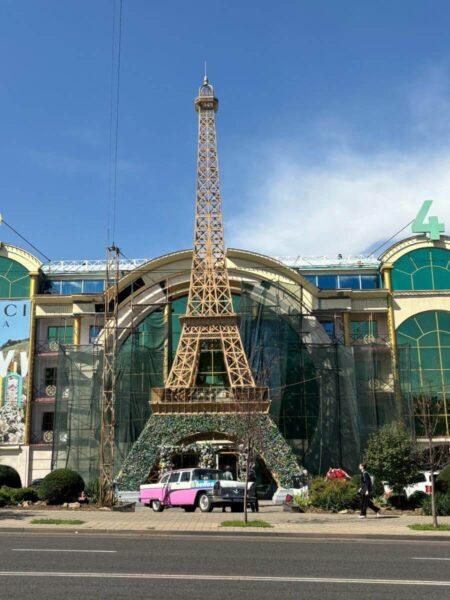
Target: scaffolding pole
{"x":110,"y":327}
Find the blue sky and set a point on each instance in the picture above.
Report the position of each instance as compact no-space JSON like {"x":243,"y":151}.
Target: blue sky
{"x":333,"y":125}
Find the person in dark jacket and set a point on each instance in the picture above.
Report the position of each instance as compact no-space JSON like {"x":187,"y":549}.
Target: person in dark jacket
{"x":366,"y":493}
{"x":252,"y":479}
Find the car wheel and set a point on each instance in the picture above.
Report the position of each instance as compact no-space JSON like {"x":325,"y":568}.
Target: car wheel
{"x":205,"y":503}
{"x":157,"y":506}
{"x":189,"y":508}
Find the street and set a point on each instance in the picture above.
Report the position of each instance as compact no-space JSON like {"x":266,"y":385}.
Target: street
{"x":50,"y":566}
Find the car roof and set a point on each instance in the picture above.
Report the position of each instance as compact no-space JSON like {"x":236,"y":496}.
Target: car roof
{"x":192,"y":469}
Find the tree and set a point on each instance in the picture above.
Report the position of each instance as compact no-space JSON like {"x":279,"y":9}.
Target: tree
{"x":249,"y":440}
{"x":392,"y":455}
{"x":428,"y":412}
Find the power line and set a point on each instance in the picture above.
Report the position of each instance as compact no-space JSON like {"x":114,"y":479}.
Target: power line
{"x":116,"y":133}
{"x":116,"y":53}
{"x":2,"y":221}
{"x":392,"y":237}
{"x":111,"y":117}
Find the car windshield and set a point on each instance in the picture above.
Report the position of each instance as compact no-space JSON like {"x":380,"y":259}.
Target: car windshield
{"x":206,"y":474}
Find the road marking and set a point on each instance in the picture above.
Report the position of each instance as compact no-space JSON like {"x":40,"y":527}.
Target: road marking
{"x":237,"y":578}
{"x":60,"y":550}
{"x":428,"y":558}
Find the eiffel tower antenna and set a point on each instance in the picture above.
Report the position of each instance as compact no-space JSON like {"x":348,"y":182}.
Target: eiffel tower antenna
{"x":210,"y":325}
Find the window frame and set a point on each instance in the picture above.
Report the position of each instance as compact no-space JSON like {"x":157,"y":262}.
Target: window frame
{"x":57,"y":338}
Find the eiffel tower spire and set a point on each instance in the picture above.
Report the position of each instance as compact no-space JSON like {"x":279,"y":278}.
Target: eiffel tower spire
{"x":210,"y":323}
{"x":209,"y":292}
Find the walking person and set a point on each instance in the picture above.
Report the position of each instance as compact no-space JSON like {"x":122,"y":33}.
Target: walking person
{"x":366,"y":493}
{"x":252,"y":479}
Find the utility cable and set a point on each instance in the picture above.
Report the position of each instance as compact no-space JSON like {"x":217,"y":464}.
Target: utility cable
{"x":116,"y":132}
{"x":2,"y":221}
{"x":116,"y":54}
{"x":392,"y":237}
{"x":111,"y":118}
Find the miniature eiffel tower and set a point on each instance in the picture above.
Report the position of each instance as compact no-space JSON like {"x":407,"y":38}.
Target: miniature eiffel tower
{"x":210,"y":324}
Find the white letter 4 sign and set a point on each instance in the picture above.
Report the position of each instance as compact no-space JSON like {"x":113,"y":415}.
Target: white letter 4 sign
{"x":433,"y":227}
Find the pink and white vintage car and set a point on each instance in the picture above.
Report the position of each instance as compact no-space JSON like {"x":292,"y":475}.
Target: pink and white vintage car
{"x":189,"y":488}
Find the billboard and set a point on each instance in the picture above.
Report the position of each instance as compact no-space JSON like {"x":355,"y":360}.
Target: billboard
{"x":14,"y":356}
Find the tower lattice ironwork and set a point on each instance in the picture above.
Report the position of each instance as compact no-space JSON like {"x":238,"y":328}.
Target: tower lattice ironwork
{"x":210,"y":318}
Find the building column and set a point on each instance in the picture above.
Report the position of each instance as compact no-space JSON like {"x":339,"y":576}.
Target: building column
{"x":76,"y":330}
{"x":387,"y":280}
{"x":168,"y":340}
{"x":346,"y":328}
{"x":34,"y":279}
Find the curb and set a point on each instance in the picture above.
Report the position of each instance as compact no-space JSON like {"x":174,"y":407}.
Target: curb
{"x":231,"y":534}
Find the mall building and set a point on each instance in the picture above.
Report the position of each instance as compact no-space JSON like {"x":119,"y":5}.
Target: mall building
{"x":344,"y":345}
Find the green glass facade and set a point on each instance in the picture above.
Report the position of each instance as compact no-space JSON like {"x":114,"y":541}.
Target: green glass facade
{"x":424,"y":345}
{"x":14,"y":279}
{"x":422,"y":269}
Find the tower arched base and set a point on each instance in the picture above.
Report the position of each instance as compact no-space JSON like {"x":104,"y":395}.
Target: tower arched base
{"x":166,"y":430}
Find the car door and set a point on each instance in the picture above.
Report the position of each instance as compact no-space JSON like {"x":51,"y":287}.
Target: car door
{"x":181,"y":493}
{"x":162,"y":488}
{"x":172,"y":487}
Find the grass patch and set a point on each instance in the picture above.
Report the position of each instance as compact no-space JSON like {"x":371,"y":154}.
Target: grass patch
{"x":57,"y":522}
{"x":254,"y":523}
{"x":429,"y":527}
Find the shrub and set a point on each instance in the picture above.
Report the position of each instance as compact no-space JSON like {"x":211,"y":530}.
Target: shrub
{"x":16,"y":496}
{"x":392,"y":456}
{"x":62,"y":485}
{"x":26,"y":494}
{"x":9,"y":477}
{"x":399,"y":501}
{"x":356,"y":480}
{"x":93,"y":490}
{"x":416,"y":499}
{"x":4,"y":498}
{"x":442,"y":504}
{"x":302,"y":501}
{"x":333,"y":494}
{"x":443,"y":480}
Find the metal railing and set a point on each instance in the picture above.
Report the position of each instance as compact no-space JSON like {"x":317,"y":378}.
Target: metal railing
{"x":209,"y":399}
{"x":47,"y":392}
{"x":43,"y":437}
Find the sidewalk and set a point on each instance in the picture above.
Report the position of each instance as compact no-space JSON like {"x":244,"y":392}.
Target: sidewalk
{"x":176,"y":520}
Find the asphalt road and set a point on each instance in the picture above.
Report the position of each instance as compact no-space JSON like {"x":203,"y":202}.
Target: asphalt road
{"x":59,"y":566}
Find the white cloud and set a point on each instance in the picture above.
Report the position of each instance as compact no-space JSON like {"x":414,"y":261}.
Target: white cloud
{"x":350,"y":200}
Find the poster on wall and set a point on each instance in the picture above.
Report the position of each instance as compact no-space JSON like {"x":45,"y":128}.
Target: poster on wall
{"x":14,"y":355}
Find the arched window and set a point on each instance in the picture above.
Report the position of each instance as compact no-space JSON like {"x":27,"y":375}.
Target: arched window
{"x":14,"y":279}
{"x":422,"y":269}
{"x":424,"y":348}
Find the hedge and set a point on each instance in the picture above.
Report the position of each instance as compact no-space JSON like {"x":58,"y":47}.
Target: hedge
{"x":9,"y":477}
{"x":443,"y":480}
{"x":333,"y":494}
{"x":62,"y":485}
{"x":442,"y":504}
{"x":18,"y":495}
